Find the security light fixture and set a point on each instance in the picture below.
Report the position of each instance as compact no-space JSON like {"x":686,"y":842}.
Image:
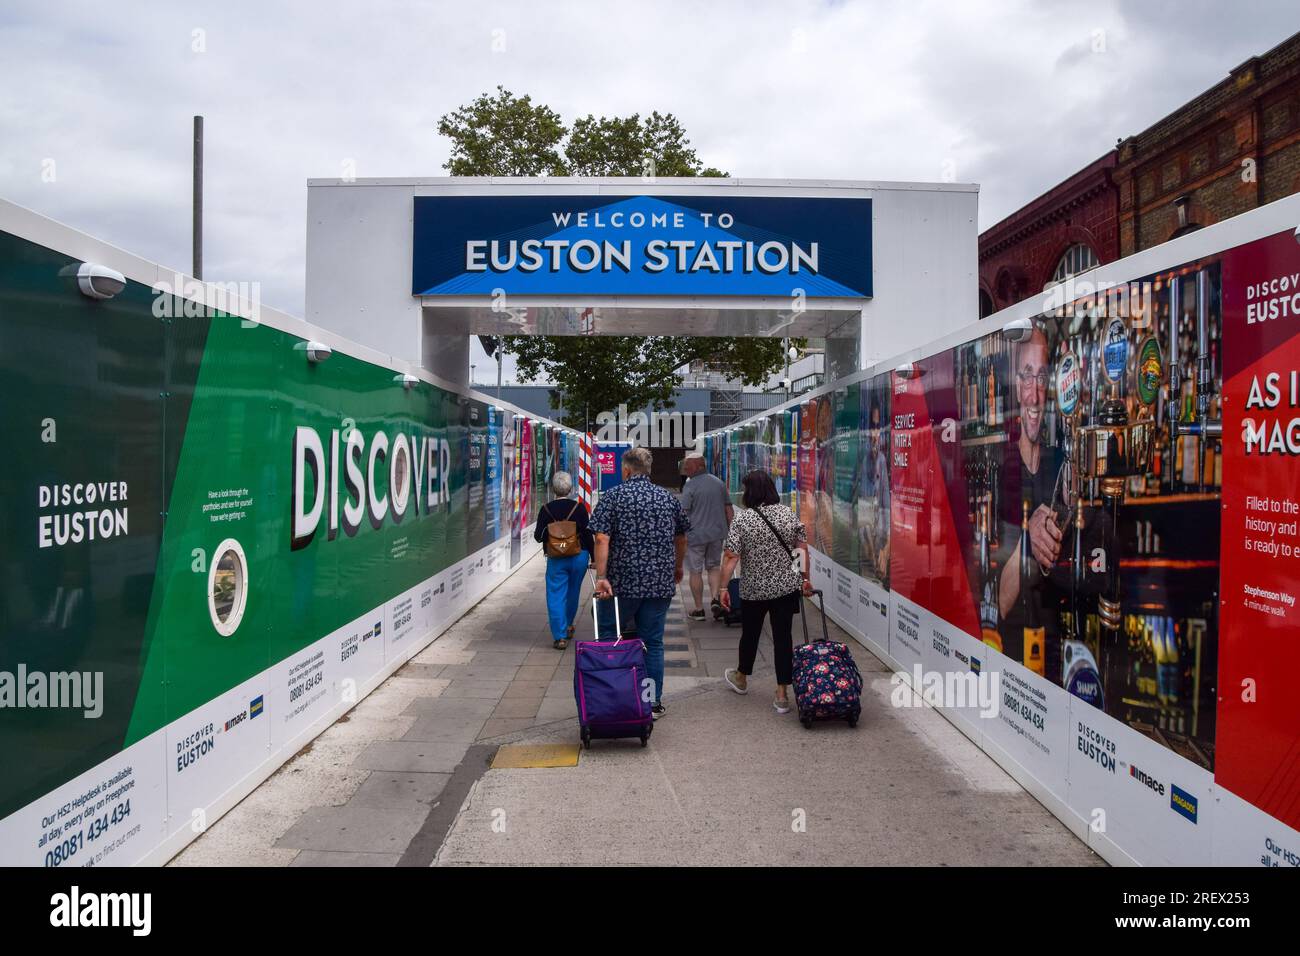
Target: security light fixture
{"x":99,"y":282}
{"x":1018,"y":330}
{"x":317,"y":352}
{"x":408,"y":380}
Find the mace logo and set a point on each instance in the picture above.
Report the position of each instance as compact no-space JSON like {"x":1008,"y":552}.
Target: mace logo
{"x":1151,"y":783}
{"x":1180,"y":801}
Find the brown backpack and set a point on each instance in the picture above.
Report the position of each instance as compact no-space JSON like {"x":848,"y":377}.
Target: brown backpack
{"x":562,"y":537}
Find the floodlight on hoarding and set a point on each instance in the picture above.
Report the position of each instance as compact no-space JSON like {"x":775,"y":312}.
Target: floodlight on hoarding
{"x":317,"y":352}
{"x":1018,"y":330}
{"x":99,"y":282}
{"x":407,"y":380}
{"x":908,"y":370}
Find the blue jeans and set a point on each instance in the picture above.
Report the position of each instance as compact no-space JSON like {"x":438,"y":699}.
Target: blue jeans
{"x":650,"y":615}
{"x":563,"y":589}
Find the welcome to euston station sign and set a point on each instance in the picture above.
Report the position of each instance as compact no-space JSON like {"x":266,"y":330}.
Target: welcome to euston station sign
{"x":642,"y":245}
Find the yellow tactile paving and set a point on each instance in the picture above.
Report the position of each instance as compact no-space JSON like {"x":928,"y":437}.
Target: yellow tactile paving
{"x":518,"y":756}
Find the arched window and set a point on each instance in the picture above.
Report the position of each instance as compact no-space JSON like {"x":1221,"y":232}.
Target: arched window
{"x":1078,"y":258}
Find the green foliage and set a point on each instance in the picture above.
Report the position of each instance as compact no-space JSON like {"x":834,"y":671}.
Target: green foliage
{"x":506,"y":135}
{"x":656,"y":146}
{"x":598,"y":372}
{"x":595,"y":373}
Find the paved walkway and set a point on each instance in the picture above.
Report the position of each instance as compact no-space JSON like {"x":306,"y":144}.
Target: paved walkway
{"x":404,"y":779}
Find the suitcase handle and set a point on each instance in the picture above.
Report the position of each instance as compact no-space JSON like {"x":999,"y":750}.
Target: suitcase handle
{"x":821,"y":601}
{"x":595,"y":620}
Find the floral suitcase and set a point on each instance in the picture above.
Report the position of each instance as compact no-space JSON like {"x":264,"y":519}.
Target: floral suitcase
{"x":827,"y":683}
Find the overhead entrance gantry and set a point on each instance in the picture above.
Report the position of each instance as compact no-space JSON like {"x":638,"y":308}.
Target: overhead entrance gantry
{"x":414,"y":267}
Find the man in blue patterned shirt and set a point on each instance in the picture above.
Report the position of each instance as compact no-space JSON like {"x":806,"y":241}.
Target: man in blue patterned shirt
{"x":640,"y":532}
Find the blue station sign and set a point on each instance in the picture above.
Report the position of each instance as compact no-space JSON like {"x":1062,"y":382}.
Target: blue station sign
{"x":642,"y":245}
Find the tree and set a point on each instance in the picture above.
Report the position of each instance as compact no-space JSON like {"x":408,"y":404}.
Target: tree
{"x":656,"y":146}
{"x":506,"y":135}
{"x":600,"y":372}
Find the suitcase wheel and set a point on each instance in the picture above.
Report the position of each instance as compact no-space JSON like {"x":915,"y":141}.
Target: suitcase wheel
{"x":806,"y":721}
{"x":586,"y":738}
{"x":645,"y":738}
{"x":853,"y":721}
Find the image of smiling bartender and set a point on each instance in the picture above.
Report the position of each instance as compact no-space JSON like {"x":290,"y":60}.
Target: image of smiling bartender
{"x":1030,"y":597}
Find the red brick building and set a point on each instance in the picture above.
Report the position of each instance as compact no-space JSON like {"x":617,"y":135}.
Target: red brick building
{"x":1234,"y":147}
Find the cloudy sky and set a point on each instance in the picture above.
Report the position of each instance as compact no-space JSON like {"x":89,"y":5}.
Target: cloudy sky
{"x":96,"y":100}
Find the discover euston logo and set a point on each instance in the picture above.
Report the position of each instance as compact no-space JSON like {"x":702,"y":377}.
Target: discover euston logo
{"x":358,"y":480}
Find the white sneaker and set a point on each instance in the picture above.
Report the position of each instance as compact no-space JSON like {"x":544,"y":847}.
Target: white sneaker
{"x":726,"y":675}
{"x":781,"y":706}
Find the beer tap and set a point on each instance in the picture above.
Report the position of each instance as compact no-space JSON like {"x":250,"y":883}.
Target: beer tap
{"x":1202,"y":426}
{"x":1173,"y":409}
{"x":1109,"y":450}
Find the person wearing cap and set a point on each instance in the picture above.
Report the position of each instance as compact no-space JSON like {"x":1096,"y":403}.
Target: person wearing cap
{"x":708,"y":507}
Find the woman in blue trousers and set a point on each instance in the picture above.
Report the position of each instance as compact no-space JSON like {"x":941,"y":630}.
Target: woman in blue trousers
{"x":564,"y":575}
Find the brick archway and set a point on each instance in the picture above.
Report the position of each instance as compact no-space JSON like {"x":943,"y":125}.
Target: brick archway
{"x":1074,"y":236}
{"x":1010,"y":286}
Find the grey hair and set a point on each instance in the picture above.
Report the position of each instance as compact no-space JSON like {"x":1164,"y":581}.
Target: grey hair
{"x":562,"y":483}
{"x":638,"y":460}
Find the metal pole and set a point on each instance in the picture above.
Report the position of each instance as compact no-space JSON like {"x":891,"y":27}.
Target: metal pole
{"x":498,"y":371}
{"x":198,"y":197}
{"x":785,"y":344}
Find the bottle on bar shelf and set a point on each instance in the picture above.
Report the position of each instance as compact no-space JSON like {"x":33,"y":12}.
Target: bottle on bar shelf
{"x":1034,"y":632}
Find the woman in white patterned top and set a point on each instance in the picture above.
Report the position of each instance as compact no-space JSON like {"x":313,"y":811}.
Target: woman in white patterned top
{"x":769,"y":542}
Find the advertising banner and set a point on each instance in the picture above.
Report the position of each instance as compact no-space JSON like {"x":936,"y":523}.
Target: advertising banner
{"x":526,"y":451}
{"x":84,"y":493}
{"x":111,"y":815}
{"x":1097,"y":509}
{"x":492,"y":475}
{"x":1259,"y":713}
{"x":215,"y":542}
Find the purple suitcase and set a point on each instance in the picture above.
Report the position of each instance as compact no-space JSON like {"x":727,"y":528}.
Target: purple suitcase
{"x":607,"y":683}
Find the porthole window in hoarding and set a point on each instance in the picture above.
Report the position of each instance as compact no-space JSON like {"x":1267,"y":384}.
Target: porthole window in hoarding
{"x":399,"y":479}
{"x":227,"y":586}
